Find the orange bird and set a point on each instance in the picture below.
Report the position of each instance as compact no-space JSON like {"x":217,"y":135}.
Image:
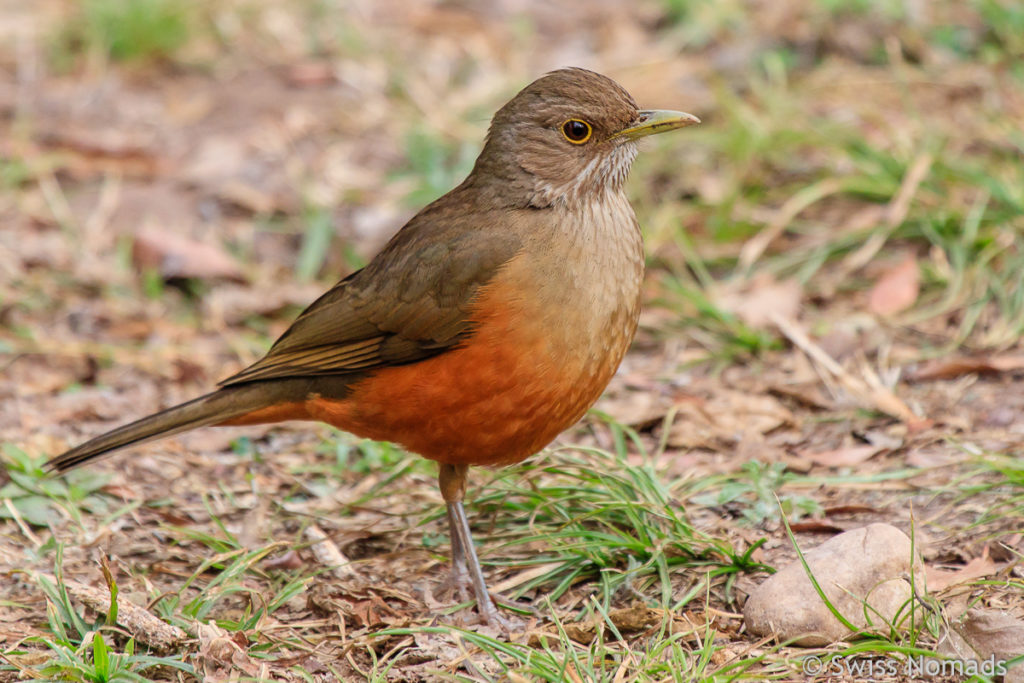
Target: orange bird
{"x":488,"y":324}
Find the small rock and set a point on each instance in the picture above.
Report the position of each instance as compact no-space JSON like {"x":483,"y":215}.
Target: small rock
{"x":866,"y":564}
{"x":994,"y":636}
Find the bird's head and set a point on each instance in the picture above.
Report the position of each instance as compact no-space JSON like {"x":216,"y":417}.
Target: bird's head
{"x":569,"y":136}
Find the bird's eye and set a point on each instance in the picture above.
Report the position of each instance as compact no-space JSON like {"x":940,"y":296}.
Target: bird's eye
{"x":577,"y":132}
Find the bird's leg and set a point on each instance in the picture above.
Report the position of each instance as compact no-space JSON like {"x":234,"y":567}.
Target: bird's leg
{"x":460,"y":575}
{"x":452,"y":480}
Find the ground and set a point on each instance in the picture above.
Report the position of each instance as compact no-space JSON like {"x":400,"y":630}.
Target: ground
{"x":831,"y":337}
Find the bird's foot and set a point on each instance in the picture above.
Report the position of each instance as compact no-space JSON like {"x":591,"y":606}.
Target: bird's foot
{"x":505,"y":623}
{"x":458,"y":583}
{"x":458,"y":587}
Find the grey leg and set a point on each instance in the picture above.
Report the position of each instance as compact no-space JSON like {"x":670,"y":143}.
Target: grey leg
{"x":452,"y":480}
{"x":460,"y":575}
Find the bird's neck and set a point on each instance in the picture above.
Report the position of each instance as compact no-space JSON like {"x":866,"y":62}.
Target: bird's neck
{"x":599,"y":181}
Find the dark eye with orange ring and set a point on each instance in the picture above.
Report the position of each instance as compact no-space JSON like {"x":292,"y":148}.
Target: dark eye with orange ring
{"x":577,"y":132}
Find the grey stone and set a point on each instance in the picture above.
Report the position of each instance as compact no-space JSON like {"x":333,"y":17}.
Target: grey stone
{"x":862,"y":572}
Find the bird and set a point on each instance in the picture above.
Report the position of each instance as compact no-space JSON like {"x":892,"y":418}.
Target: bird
{"x":490,"y":322}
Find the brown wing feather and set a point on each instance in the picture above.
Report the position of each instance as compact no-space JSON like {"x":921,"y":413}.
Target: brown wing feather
{"x":411,"y":302}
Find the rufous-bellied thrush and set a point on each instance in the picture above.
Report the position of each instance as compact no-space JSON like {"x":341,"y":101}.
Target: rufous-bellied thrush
{"x":488,"y":324}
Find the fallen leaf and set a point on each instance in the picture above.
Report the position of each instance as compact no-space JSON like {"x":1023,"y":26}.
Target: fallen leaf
{"x":992,"y":634}
{"x":897,"y":289}
{"x":758,"y":300}
{"x":176,"y":256}
{"x":220,"y":658}
{"x":846,"y":456}
{"x":290,"y":560}
{"x":816,"y":526}
{"x":636,"y":409}
{"x":929,"y":458}
{"x":310,"y":74}
{"x":635,"y":618}
{"x":848,"y":510}
{"x":957,"y":366}
{"x":327,"y":553}
{"x":807,"y":395}
{"x":92,"y":152}
{"x":880,"y":439}
{"x":941,"y":579}
{"x":726,"y":418}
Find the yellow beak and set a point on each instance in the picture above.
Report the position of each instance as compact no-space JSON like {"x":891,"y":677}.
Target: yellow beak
{"x":654,"y":121}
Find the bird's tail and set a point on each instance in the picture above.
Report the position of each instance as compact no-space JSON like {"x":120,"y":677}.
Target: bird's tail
{"x":229,"y":403}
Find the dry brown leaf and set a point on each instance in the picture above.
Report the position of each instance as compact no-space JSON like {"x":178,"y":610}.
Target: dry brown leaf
{"x":807,"y":395}
{"x":845,"y":456}
{"x":992,"y":634}
{"x":290,"y":560}
{"x":897,"y":289}
{"x":636,"y":408}
{"x":636,"y":618}
{"x":816,"y":526}
{"x":941,"y":579}
{"x":96,"y":151}
{"x":253,"y":198}
{"x":310,"y":74}
{"x":956,"y":366}
{"x":756,"y":301}
{"x":633,"y":619}
{"x":726,"y":418}
{"x":220,"y":657}
{"x":848,"y":510}
{"x":930,"y":458}
{"x":176,"y":256}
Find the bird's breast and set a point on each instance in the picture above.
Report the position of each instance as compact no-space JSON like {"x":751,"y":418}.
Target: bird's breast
{"x":549,"y":331}
{"x":574,"y":292}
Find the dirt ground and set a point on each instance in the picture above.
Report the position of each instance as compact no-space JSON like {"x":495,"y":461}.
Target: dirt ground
{"x":162,"y":219}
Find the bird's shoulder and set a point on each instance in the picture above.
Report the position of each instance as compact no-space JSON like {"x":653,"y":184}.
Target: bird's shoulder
{"x":413,"y":300}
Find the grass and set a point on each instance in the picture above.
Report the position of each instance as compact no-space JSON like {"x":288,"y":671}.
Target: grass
{"x":601,"y":519}
{"x":79,"y":648}
{"x":219,"y":592}
{"x":999,"y":478}
{"x":754,"y":493}
{"x":126,"y":30}
{"x":608,"y":656}
{"x":435,"y":165}
{"x":32,"y":496}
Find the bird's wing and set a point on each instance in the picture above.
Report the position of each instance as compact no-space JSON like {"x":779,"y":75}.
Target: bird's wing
{"x":411,"y":302}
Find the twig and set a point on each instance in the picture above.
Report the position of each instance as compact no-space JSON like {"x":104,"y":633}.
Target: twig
{"x":327,"y":553}
{"x":872,"y":394}
{"x":138,"y":621}
{"x":792,"y":207}
{"x":25,"y":529}
{"x":895,"y":214}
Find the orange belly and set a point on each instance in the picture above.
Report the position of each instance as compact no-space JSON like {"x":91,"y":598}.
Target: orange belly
{"x":523,"y":376}
{"x":478,"y":404}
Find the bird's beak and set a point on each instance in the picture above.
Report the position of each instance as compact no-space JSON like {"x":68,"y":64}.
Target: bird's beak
{"x":654,"y":121}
